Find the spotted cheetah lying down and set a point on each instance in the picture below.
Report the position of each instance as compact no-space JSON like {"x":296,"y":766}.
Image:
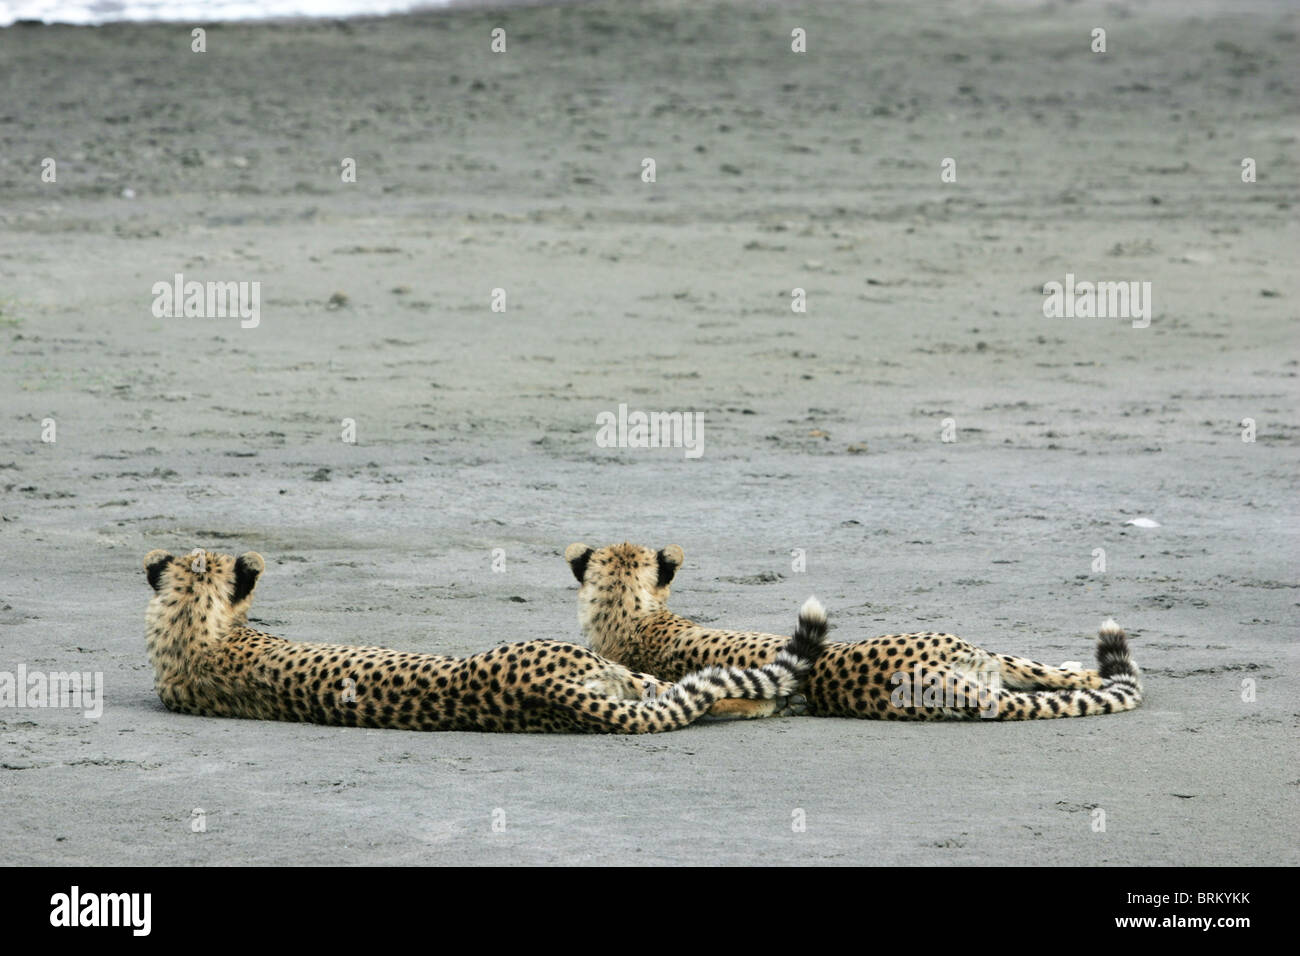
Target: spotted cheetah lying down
{"x":623,"y":610}
{"x":208,"y":661}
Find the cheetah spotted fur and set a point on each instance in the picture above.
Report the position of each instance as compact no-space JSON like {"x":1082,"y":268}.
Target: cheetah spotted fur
{"x":208,"y":661}
{"x":623,"y":610}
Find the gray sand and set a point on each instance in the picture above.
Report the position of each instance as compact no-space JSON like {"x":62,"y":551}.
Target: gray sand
{"x":476,"y":430}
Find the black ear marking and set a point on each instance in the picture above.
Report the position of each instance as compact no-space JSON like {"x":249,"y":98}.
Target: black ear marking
{"x":246,"y":575}
{"x":154,"y":570}
{"x":578,"y":563}
{"x":667,"y":568}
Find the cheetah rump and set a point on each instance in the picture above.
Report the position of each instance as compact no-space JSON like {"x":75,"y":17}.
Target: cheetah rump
{"x":207,"y":661}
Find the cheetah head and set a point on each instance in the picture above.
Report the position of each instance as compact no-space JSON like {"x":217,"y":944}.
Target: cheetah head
{"x":620,"y":581}
{"x":205,"y":579}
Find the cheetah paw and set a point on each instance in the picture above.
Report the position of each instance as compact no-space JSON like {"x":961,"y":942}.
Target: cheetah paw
{"x":796,"y":705}
{"x":1072,"y":666}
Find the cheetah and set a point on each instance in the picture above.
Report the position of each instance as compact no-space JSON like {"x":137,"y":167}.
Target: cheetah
{"x":208,"y":661}
{"x":623,"y":611}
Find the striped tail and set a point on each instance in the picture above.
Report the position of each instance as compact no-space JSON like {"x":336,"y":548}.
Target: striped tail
{"x":1121,"y":687}
{"x":809,"y":638}
{"x":1113,"y":659}
{"x":781,"y":678}
{"x":691,"y":697}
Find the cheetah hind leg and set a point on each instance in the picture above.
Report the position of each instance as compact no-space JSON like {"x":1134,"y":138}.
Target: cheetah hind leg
{"x":806,"y":644}
{"x":695,"y":694}
{"x":735,"y":708}
{"x":729,"y":708}
{"x":616,"y":682}
{"x":1020,"y":673}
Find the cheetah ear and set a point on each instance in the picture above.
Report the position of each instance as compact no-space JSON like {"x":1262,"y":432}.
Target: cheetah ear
{"x":154,"y":562}
{"x":578,"y":555}
{"x":670,"y":559}
{"x":248,"y":567}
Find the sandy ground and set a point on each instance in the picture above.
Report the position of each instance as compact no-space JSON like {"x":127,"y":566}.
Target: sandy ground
{"x":476,"y":430}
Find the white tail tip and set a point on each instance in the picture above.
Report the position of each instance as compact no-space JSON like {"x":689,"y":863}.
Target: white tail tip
{"x":812,"y":609}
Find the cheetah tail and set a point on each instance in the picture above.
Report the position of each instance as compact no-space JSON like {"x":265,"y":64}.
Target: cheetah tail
{"x":1114,"y":662}
{"x":1120,"y":690}
{"x":691,"y":697}
{"x":782,"y":677}
{"x":809,"y":640}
